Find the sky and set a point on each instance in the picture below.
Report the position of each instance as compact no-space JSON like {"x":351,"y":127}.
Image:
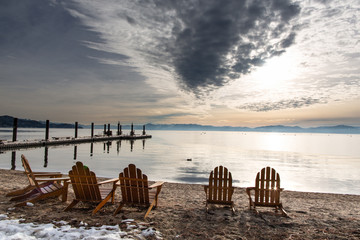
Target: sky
{"x":223,"y":63}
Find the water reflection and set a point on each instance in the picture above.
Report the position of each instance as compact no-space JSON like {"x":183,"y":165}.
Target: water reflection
{"x":107,"y":146}
{"x":131,"y":145}
{"x":305,"y":162}
{"x":91,"y":149}
{"x":118,"y":146}
{"x":106,"y":149}
{"x":13,"y":160}
{"x":46,"y":154}
{"x":75,"y":152}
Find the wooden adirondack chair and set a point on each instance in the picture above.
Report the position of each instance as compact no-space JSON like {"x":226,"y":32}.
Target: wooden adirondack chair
{"x":266,"y":191}
{"x":41,"y":185}
{"x":220,"y":189}
{"x":86,"y":187}
{"x":135,"y":189}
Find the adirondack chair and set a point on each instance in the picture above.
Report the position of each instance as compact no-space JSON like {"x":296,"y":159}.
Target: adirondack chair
{"x":266,"y":191}
{"x":87,"y":189}
{"x":41,"y":185}
{"x":220,"y":189}
{"x":135,"y":189}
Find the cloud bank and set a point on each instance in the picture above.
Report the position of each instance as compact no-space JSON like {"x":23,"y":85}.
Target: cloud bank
{"x":216,"y":41}
{"x":203,"y":44}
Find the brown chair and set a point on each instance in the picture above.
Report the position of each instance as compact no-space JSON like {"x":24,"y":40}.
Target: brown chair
{"x":41,"y":185}
{"x":86,"y":187}
{"x":266,"y":191}
{"x":135,"y":189}
{"x":220,"y":189}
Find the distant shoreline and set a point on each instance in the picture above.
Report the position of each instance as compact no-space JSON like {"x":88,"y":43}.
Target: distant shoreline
{"x":267,"y":129}
{"x":7,"y":122}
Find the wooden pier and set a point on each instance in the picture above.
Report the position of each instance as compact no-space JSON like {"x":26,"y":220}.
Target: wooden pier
{"x":8,"y":145}
{"x":107,"y":135}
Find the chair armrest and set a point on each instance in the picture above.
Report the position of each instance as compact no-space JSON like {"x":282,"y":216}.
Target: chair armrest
{"x":48,"y":175}
{"x":157,"y":184}
{"x":109,"y":181}
{"x":52,"y":179}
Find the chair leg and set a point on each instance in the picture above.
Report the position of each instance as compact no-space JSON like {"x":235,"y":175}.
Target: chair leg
{"x":149,"y":209}
{"x":102,"y":203}
{"x":284,"y":213}
{"x":119,"y":208}
{"x":65,"y":192}
{"x":71,"y":205}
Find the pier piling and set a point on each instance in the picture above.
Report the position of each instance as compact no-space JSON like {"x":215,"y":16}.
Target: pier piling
{"x":76,"y":129}
{"x":14,"y":138}
{"x":132,"y":133}
{"x":47,"y":130}
{"x":92,"y":130}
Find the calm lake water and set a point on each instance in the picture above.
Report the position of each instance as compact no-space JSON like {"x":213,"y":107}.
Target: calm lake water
{"x":305,"y":162}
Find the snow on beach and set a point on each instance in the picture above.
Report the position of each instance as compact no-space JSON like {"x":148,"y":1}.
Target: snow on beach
{"x":14,"y":229}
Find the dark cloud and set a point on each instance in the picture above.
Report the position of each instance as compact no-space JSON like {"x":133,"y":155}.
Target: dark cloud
{"x":283,"y":104}
{"x":216,"y":41}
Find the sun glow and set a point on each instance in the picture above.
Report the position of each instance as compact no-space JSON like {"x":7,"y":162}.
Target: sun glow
{"x":276,"y":72}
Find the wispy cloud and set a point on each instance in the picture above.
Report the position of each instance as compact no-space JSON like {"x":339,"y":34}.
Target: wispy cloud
{"x":280,"y":105}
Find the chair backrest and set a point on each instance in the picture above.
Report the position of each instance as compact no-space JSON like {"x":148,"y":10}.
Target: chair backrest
{"x":134,"y":186}
{"x":267,"y":187}
{"x":220,"y":185}
{"x":84,"y":183}
{"x":30,"y":175}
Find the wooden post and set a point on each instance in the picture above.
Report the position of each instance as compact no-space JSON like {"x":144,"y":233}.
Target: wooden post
{"x":118,"y":131}
{"x":104,"y":129}
{"x":15,"y":129}
{"x":76,"y":129}
{"x":92,"y":130}
{"x":108,"y":127}
{"x":143,"y":133}
{"x":132,"y":133}
{"x":47,"y":130}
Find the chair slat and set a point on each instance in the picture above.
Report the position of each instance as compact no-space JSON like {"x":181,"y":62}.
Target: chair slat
{"x":215,"y":189}
{"x":211,"y":185}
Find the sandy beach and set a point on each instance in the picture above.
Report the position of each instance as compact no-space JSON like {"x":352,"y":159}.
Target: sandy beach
{"x":181,"y":214}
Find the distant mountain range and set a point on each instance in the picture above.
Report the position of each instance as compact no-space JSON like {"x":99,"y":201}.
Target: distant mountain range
{"x":277,"y":128}
{"x":7,"y":121}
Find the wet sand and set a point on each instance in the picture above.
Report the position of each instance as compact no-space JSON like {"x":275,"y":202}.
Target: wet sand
{"x":181,"y":214}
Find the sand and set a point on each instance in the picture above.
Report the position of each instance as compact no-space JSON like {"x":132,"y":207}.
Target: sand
{"x":181,"y":214}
